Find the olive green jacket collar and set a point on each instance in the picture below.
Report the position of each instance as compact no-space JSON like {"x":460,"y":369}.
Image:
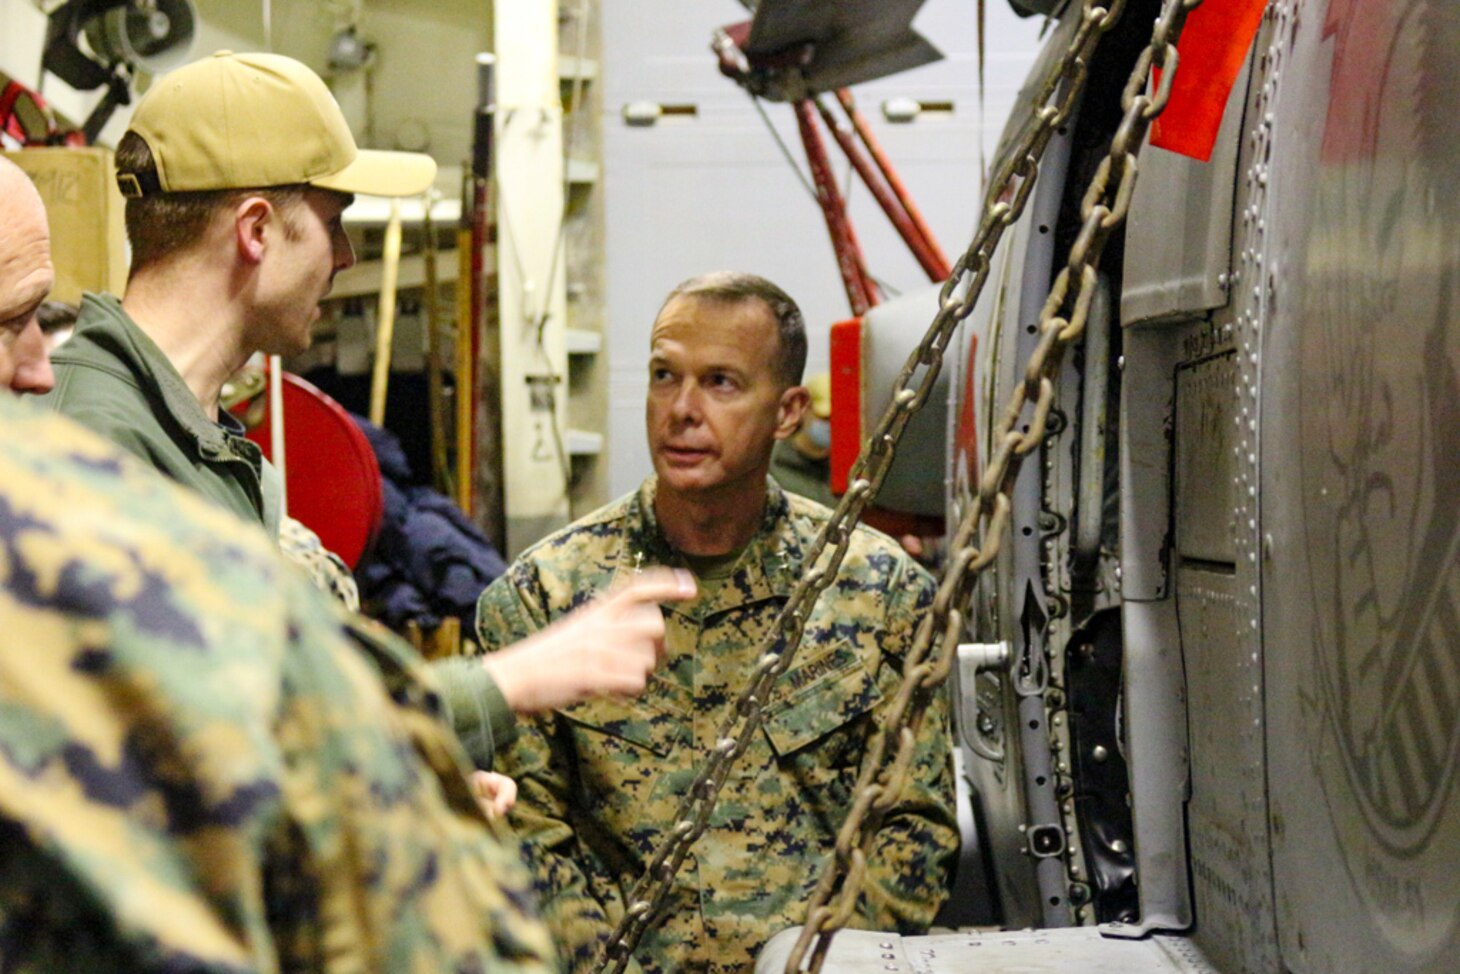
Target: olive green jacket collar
{"x":110,"y":374}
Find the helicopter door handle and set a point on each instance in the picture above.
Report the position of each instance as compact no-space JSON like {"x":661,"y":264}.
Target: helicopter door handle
{"x":973,"y":658}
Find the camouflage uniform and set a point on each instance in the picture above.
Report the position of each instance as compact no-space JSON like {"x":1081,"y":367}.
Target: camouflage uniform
{"x":203,"y":766}
{"x":600,"y":781}
{"x":325,"y":569}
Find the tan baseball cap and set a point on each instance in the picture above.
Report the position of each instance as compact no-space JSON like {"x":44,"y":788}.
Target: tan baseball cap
{"x":241,"y":121}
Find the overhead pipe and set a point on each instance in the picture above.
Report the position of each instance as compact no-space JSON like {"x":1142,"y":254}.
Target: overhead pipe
{"x":861,"y":293}
{"x":894,"y":182}
{"x":914,"y":235}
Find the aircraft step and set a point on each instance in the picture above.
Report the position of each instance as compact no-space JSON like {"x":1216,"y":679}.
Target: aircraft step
{"x":1072,"y":950}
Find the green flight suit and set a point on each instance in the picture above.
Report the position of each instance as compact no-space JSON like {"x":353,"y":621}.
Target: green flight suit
{"x":204,"y":766}
{"x":113,"y":379}
{"x":600,"y":781}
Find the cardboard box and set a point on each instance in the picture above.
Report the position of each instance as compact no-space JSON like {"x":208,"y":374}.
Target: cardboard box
{"x":88,"y":237}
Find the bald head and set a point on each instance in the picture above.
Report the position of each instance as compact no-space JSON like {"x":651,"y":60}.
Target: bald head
{"x":26,"y":277}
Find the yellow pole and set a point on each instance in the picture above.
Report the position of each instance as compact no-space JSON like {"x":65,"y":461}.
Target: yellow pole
{"x":440,"y":474}
{"x":385,"y":316}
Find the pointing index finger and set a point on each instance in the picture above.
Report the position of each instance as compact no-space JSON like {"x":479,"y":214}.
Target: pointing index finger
{"x":657,"y":585}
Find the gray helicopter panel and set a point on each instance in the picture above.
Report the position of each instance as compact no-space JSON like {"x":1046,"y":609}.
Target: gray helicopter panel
{"x":1179,"y":242}
{"x":1361,"y":438}
{"x":1067,"y":951}
{"x":1290,"y":531}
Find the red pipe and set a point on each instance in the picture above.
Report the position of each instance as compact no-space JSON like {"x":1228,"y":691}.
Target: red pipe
{"x":843,"y":239}
{"x":479,"y":216}
{"x":874,"y":149}
{"x":912,"y":235}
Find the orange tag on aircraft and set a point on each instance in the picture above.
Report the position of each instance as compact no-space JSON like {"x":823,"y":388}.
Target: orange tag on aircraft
{"x":1212,"y":48}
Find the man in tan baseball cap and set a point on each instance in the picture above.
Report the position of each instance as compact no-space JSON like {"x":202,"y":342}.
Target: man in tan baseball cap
{"x":236,"y":169}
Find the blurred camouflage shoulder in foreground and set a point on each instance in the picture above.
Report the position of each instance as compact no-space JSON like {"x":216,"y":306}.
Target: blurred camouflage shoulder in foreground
{"x":205,"y":768}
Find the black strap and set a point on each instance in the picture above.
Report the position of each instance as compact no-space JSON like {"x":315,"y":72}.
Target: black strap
{"x":135,"y":185}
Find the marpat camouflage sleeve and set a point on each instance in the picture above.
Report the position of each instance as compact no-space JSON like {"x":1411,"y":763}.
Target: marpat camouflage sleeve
{"x":917,"y":845}
{"x":576,"y":910}
{"x":301,"y":546}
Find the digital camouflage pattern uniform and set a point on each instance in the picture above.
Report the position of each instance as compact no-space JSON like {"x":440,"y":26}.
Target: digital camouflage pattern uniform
{"x":204,"y":767}
{"x":599,"y":782}
{"x":325,"y":569}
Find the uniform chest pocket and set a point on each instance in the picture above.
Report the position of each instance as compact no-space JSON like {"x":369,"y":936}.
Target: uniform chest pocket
{"x":818,"y":697}
{"x":657,"y":722}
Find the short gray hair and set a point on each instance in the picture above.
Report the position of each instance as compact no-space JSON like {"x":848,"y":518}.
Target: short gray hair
{"x":732,"y":287}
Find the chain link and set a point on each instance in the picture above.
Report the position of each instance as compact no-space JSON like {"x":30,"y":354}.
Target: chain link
{"x":878,"y":793}
{"x":1062,"y":322}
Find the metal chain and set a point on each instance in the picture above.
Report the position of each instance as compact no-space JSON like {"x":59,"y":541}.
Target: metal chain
{"x":1012,"y":186}
{"x":1061,"y":322}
